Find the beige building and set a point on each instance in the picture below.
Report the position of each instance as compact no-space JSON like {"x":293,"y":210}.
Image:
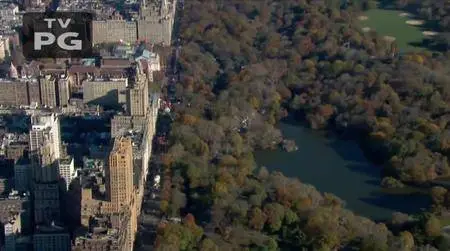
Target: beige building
{"x":154,"y":25}
{"x":44,"y":164}
{"x":120,"y":174}
{"x":155,"y":31}
{"x":110,"y":92}
{"x":48,"y":91}
{"x":4,"y":48}
{"x":34,"y":93}
{"x":113,"y":239}
{"x":107,"y":31}
{"x":63,"y":91}
{"x":156,"y":19}
{"x":137,"y":99}
{"x":120,"y":195}
{"x":120,"y":124}
{"x":14,"y":93}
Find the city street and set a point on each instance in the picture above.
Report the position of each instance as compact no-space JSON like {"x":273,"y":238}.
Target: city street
{"x":151,"y":215}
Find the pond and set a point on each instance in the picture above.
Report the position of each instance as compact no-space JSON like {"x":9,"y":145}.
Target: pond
{"x":339,"y":167}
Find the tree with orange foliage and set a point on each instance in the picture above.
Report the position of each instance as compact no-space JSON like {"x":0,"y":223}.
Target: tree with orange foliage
{"x":326,"y":110}
{"x":189,"y":119}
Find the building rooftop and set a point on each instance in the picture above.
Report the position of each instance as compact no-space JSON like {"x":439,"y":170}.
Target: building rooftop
{"x":9,"y":207}
{"x":47,"y":229}
{"x":104,"y":228}
{"x":66,"y":161}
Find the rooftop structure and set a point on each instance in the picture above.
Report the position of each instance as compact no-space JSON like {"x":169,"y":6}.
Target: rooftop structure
{"x":103,"y":234}
{"x":51,"y":238}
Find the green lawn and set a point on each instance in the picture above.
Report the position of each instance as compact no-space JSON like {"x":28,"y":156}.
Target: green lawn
{"x":389,"y":23}
{"x":445,"y":221}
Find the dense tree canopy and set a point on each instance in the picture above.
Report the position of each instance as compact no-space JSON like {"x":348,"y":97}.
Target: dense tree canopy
{"x":245,"y":65}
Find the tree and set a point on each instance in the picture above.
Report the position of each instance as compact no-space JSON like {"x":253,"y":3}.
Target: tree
{"x":406,"y":241}
{"x":272,"y":245}
{"x":290,"y":216}
{"x":433,"y":227}
{"x":438,"y":195}
{"x":257,"y":218}
{"x":178,"y":201}
{"x":164,"y":205}
{"x":189,"y":119}
{"x":208,"y":245}
{"x":371,"y":244}
{"x":399,"y":219}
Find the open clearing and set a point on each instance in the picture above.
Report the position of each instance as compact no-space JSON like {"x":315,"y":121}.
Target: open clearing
{"x":415,"y":22}
{"x":389,"y":38}
{"x":393,"y":24}
{"x":363,"y":18}
{"x":430,"y":33}
{"x":404,"y":14}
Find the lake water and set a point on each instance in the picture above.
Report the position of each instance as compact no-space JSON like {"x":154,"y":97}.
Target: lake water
{"x":338,"y":167}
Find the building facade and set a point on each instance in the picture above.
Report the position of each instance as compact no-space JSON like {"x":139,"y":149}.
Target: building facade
{"x":105,"y":92}
{"x":22,"y":176}
{"x":48,"y":90}
{"x":45,"y":129}
{"x":51,"y":238}
{"x":120,"y":174}
{"x":63,"y":91}
{"x":14,"y":93}
{"x":45,"y":152}
{"x":46,"y":203}
{"x":17,"y":150}
{"x":4,"y":48}
{"x":66,"y":170}
{"x":154,"y":25}
{"x":107,"y":31}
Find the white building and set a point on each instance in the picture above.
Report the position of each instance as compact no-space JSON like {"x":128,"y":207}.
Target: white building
{"x":66,"y":170}
{"x":12,"y":230}
{"x":153,"y":60}
{"x":45,"y":129}
{"x":9,"y":12}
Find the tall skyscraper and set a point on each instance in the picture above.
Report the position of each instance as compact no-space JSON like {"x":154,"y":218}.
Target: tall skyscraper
{"x":120,"y":174}
{"x":46,"y":129}
{"x":46,"y":203}
{"x":45,"y":166}
{"x":45,"y":152}
{"x":137,"y":99}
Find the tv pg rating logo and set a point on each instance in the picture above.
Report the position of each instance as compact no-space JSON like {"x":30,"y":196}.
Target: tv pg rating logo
{"x":57,"y":35}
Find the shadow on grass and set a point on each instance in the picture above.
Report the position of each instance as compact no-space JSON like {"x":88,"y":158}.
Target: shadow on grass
{"x":431,"y":45}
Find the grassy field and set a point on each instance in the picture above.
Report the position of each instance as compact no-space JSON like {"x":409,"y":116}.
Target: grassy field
{"x":389,"y":23}
{"x":445,"y":221}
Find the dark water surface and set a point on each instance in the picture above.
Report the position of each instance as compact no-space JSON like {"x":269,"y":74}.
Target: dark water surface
{"x":339,"y":167}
